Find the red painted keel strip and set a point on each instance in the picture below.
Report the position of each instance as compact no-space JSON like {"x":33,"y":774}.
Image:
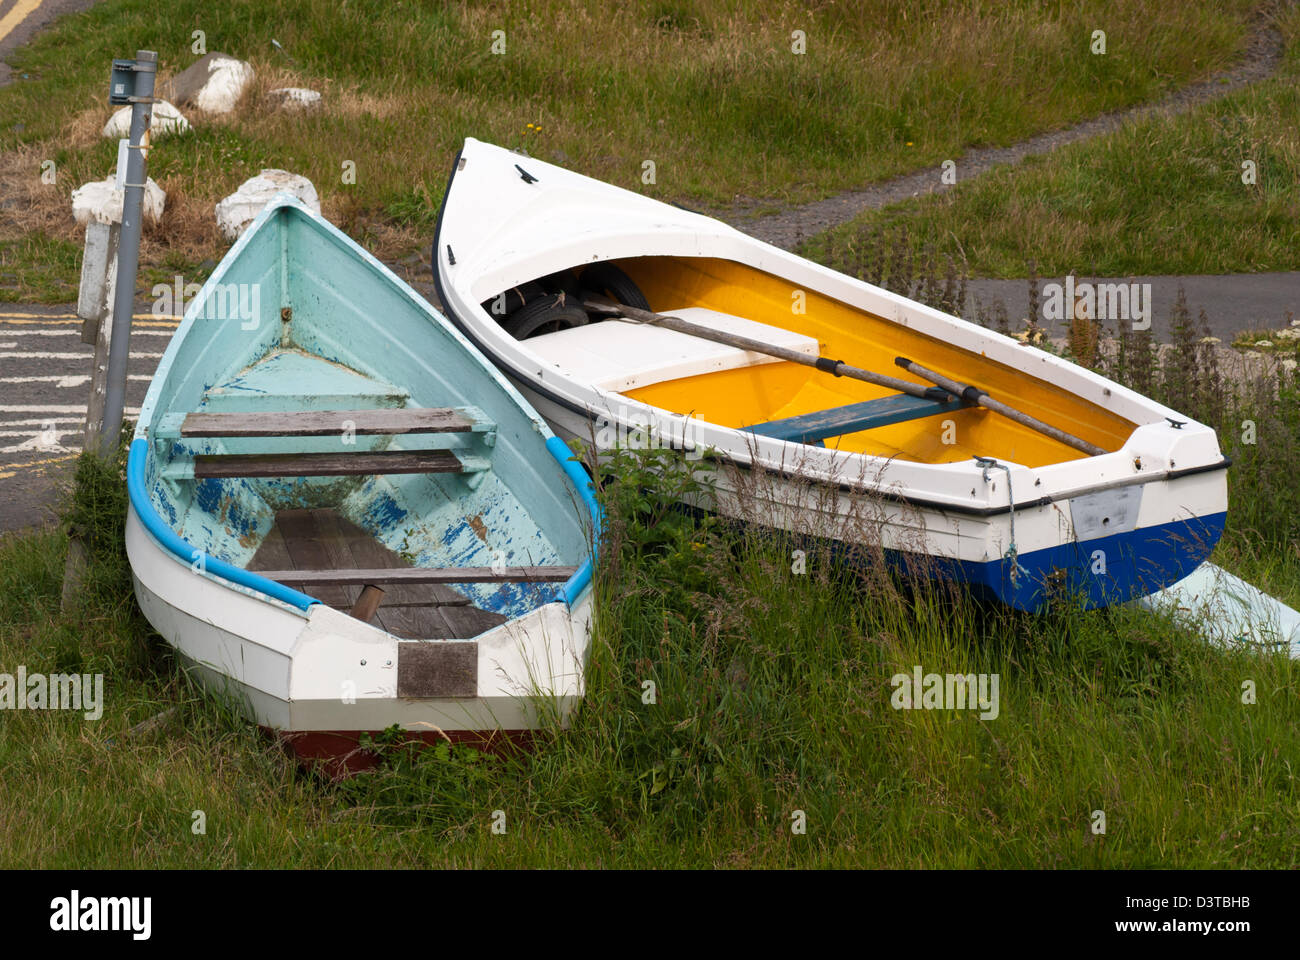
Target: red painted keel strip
{"x":339,"y":754}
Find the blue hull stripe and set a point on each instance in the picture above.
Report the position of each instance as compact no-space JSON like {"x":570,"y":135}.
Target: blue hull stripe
{"x":561,"y":452}
{"x":183,"y":550}
{"x":1137,"y":563}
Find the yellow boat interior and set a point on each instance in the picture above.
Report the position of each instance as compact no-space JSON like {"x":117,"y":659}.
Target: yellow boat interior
{"x":759,"y":393}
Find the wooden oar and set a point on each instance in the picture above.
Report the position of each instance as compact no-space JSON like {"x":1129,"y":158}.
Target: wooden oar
{"x":836,"y":367}
{"x":840,"y":369}
{"x":976,"y":396}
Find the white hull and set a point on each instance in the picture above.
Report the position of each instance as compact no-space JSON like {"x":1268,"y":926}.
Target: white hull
{"x":1229,"y":612}
{"x":322,"y":670}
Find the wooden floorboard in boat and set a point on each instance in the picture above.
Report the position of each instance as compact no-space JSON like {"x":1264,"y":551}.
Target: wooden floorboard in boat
{"x":322,"y":540}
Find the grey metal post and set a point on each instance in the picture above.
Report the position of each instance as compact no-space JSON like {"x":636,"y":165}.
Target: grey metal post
{"x":128,"y":250}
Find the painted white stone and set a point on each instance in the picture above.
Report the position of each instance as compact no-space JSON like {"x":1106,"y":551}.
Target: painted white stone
{"x":241,"y":208}
{"x":165,"y":119}
{"x":294,"y":98}
{"x":101,"y":201}
{"x":214,"y":83}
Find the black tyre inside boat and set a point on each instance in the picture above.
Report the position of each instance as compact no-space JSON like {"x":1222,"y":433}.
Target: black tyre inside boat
{"x":612,"y":282}
{"x":547,"y":315}
{"x":565,"y":281}
{"x":508,"y":301}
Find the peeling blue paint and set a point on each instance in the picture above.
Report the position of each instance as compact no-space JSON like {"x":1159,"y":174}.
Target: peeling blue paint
{"x":207,"y":495}
{"x":385,"y":513}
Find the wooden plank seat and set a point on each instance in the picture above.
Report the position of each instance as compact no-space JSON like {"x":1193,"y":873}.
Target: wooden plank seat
{"x":344,"y":460}
{"x":363,"y":463}
{"x":821,"y":424}
{"x":326,"y":423}
{"x":406,"y":575}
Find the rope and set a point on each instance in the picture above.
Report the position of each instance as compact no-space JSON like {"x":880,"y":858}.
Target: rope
{"x":989,"y":463}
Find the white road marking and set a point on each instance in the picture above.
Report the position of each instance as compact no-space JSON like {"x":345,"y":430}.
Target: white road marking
{"x":45,"y":442}
{"x":54,"y":408}
{"x":34,"y":355}
{"x":72,"y":380}
{"x":38,"y":332}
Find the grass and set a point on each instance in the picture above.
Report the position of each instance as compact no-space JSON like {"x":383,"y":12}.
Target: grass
{"x":1283,"y":342}
{"x":771,"y":695}
{"x":710,"y":90}
{"x":38,"y":267}
{"x":1159,"y":196}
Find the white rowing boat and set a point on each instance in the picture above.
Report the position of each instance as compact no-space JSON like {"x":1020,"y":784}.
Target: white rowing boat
{"x":937,"y":477}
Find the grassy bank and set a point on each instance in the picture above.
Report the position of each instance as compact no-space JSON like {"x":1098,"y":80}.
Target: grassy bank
{"x":1160,"y":196}
{"x":712,"y":91}
{"x":771,"y":695}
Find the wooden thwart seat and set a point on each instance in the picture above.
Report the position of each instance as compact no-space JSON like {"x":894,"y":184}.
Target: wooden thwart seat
{"x":325,"y":423}
{"x":365,"y":463}
{"x":821,"y":424}
{"x":346,"y":460}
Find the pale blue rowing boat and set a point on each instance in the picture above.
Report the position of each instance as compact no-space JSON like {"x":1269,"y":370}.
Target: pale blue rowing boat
{"x":316,"y":433}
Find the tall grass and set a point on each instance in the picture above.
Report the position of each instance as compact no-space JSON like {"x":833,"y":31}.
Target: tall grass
{"x":731,"y":698}
{"x":1161,"y":195}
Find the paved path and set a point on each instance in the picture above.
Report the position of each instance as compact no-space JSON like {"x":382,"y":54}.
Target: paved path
{"x":45,"y":368}
{"x":787,"y":229}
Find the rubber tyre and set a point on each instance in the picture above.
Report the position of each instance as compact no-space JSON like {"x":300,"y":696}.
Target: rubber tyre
{"x":612,"y":282}
{"x":565,"y":281}
{"x":515,"y":299}
{"x":546,"y":315}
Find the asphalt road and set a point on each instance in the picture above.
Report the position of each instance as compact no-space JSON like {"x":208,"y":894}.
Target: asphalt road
{"x":45,"y":368}
{"x":1233,"y":304}
{"x":44,"y":388}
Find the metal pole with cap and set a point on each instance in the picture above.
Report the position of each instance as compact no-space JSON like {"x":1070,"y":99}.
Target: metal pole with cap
{"x":133,"y":83}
